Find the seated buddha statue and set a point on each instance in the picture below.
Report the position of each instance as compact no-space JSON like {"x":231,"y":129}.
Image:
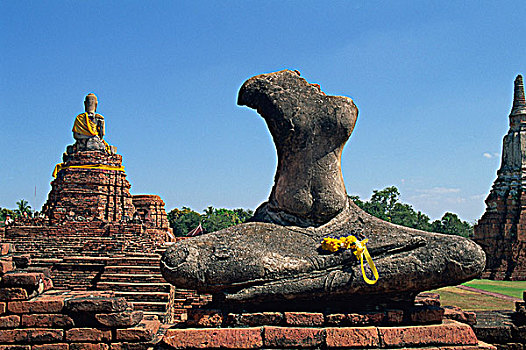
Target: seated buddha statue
{"x":88,"y":129}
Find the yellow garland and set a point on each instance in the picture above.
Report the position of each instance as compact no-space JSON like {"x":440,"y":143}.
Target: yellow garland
{"x":360,"y":250}
{"x":61,"y":166}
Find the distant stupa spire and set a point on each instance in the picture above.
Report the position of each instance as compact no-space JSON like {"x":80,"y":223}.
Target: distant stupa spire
{"x":518,"y":94}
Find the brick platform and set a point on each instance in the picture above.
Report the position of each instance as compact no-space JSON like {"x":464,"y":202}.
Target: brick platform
{"x":449,"y":335}
{"x":412,"y":316}
{"x":420,"y":326}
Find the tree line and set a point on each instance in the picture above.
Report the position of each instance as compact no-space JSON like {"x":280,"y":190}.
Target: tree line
{"x":23,"y":210}
{"x":212,"y":219}
{"x":384,"y":204}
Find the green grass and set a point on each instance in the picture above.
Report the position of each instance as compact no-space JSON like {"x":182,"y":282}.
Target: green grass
{"x":511,"y":288}
{"x":472,"y":301}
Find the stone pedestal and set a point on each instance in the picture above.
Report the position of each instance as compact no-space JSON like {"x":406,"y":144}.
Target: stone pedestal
{"x":88,"y":194}
{"x":421,"y":325}
{"x":501,"y":231}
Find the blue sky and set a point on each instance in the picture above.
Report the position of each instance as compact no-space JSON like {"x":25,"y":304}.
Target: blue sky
{"x":433,"y":82}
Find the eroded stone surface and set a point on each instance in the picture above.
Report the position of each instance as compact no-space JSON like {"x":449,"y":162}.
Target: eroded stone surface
{"x":262,"y":261}
{"x":277,"y":257}
{"x":309,"y":130}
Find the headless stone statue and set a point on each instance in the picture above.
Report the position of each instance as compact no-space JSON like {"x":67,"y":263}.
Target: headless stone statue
{"x":88,"y":129}
{"x":276,"y":261}
{"x":309,"y":131}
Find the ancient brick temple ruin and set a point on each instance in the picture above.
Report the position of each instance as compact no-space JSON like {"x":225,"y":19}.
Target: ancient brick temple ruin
{"x":502,"y":229}
{"x":86,"y":277}
{"x":93,"y":234}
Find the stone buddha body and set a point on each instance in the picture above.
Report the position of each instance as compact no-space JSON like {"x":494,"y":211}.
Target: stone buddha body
{"x":276,"y":260}
{"x":88,"y":129}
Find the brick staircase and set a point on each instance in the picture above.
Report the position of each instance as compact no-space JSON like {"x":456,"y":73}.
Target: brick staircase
{"x":86,"y":256}
{"x":138,"y":278}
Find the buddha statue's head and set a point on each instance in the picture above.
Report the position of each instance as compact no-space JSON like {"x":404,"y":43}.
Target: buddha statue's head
{"x":90,"y":103}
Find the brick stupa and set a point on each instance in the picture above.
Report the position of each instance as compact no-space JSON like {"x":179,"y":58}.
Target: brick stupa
{"x":92,"y":233}
{"x":501,"y":231}
{"x":87,"y":194}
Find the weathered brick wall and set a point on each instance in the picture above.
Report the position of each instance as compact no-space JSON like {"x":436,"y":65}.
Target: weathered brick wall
{"x":505,"y":329}
{"x":89,"y":194}
{"x":501,"y":232}
{"x":182,"y":301}
{"x":150,"y":208}
{"x":418,"y":328}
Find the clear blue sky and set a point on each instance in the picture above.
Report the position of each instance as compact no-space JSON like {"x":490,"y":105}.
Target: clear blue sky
{"x":433,"y":81}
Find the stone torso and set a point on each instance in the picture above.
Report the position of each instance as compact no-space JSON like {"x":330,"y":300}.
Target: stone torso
{"x":309,"y":129}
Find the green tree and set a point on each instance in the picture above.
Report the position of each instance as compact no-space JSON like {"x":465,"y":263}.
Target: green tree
{"x":452,"y":225}
{"x":384,"y":204}
{"x":183,"y":220}
{"x":23,"y":207}
{"x":218,"y":219}
{"x":4,"y":212}
{"x":357,"y":201}
{"x":243,"y":214}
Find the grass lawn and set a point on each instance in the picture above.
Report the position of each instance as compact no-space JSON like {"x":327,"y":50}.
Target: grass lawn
{"x":472,"y":301}
{"x":511,"y":288}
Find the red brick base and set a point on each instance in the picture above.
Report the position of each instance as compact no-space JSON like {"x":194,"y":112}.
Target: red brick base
{"x":449,"y":335}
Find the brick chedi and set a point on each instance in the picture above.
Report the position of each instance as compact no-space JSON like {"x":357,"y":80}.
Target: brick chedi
{"x":93,"y":234}
{"x":91,"y":183}
{"x":502,"y":229}
{"x":84,"y":194}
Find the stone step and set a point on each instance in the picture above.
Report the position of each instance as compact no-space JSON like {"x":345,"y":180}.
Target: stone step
{"x":144,"y":296}
{"x":136,"y":287}
{"x":160,"y":315}
{"x":44,"y":261}
{"x":150,"y":306}
{"x":127,"y":278}
{"x":132,"y":269}
{"x":146,"y":255}
{"x":137,"y":261}
{"x":84,"y":258}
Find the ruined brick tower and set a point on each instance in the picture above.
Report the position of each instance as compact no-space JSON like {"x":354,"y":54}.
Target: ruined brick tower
{"x":80,"y":193}
{"x":502,"y":229}
{"x":93,"y":234}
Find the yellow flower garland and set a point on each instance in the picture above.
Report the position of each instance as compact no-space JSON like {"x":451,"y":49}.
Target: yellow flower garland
{"x":360,"y":250}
